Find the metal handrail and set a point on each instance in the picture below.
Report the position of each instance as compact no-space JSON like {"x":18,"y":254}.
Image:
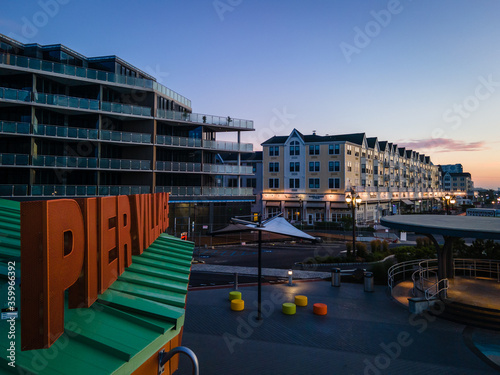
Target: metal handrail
{"x":401,"y":269}
{"x":163,"y":358}
{"x":426,"y":267}
{"x":429,"y":295}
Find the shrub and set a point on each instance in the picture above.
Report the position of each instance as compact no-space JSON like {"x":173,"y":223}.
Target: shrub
{"x":361,"y":249}
{"x":385,"y":246}
{"x":380,"y":272}
{"x":349,"y":247}
{"x":375,"y":245}
{"x":423,"y":242}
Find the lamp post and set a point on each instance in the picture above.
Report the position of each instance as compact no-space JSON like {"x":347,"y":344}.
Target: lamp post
{"x":449,"y":199}
{"x":353,"y":202}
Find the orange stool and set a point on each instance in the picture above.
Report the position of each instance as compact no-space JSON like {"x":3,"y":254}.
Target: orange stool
{"x":319,"y":309}
{"x":301,"y":300}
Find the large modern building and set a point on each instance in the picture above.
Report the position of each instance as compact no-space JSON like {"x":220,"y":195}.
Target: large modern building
{"x":73,"y":126}
{"x":307,"y":176}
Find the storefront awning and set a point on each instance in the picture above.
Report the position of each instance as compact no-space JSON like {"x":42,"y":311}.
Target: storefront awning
{"x":315,"y":204}
{"x":339,"y":205}
{"x":272,"y":204}
{"x":407,"y":202}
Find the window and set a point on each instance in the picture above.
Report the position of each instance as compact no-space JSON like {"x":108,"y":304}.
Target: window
{"x":334,"y":166}
{"x":313,"y":149}
{"x":334,"y":149}
{"x":274,"y":167}
{"x":294,"y":166}
{"x":349,"y":166}
{"x":314,"y":183}
{"x":274,"y":150}
{"x":314,"y":166}
{"x":334,"y":183}
{"x":363,"y":168}
{"x":294,"y":183}
{"x":294,"y":148}
{"x":251,"y":182}
{"x":274,"y":183}
{"x":349,"y":150}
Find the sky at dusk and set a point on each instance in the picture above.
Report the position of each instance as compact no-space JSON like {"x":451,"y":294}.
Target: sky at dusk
{"x":423,"y":74}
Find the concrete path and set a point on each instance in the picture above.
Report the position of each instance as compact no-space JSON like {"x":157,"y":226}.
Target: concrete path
{"x":362,"y":333}
{"x":253,"y":271}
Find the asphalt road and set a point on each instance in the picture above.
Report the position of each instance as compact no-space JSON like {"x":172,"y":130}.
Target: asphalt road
{"x":280,"y":255}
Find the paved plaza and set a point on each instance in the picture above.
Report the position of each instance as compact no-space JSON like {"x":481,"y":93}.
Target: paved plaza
{"x":362,"y":333}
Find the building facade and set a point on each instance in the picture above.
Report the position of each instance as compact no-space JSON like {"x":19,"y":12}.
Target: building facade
{"x":73,"y":126}
{"x":255,"y":181}
{"x":307,"y":176}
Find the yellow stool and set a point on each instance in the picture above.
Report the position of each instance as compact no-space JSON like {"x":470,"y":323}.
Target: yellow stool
{"x":237,"y":305}
{"x":289,"y":308}
{"x":234,"y":295}
{"x":301,"y":300}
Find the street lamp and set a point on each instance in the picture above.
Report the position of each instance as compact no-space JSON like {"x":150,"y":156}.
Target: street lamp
{"x":449,"y":199}
{"x":353,"y":202}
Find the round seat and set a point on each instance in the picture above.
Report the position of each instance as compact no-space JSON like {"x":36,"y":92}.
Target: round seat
{"x":319,"y":309}
{"x":237,"y":305}
{"x":289,"y":308}
{"x":301,"y":300}
{"x":234,"y":295}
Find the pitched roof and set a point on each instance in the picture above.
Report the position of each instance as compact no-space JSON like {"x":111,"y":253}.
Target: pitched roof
{"x":383,"y":145}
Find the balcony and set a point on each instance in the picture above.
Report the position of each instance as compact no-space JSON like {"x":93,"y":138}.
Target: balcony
{"x":66,"y":101}
{"x":14,"y":159}
{"x":63,"y":161}
{"x":195,"y":142}
{"x":169,"y":166}
{"x":125,"y":137}
{"x":65,"y":132}
{"x":204,"y":191}
{"x":19,"y":190}
{"x":13,"y":94}
{"x":97,"y":75}
{"x":124,"y":164}
{"x":126,"y":109}
{"x":204,"y":119}
{"x":14,"y":127}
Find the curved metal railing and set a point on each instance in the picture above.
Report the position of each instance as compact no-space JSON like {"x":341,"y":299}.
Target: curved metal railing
{"x":423,"y":273}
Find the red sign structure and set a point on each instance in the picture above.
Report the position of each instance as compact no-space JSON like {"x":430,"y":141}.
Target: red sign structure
{"x":79,"y":245}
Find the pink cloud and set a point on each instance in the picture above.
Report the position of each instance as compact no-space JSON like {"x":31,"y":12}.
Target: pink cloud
{"x":443,"y":145}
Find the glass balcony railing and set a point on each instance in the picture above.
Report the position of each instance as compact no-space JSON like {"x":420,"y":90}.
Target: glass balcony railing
{"x":98,"y":75}
{"x":14,"y":159}
{"x":228,"y":146}
{"x":14,"y":127}
{"x":126,"y":109}
{"x":63,"y":161}
{"x":203,"y":191}
{"x":117,"y":136}
{"x":138,"y":165}
{"x":13,"y":94}
{"x":169,"y":166}
{"x":86,"y":190}
{"x":168,"y":140}
{"x":13,"y":190}
{"x":65,"y":131}
{"x":204,"y":119}
{"x":66,"y":101}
